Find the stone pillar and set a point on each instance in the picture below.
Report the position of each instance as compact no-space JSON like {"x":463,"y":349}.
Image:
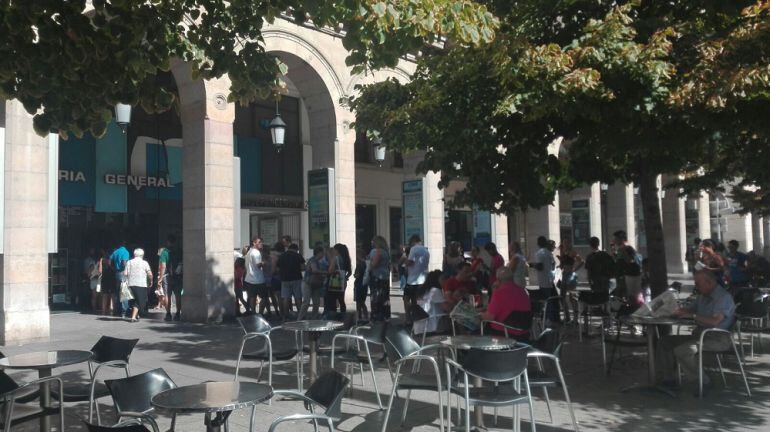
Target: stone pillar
{"x":738,"y":227}
{"x":500,"y":234}
{"x":758,"y":234}
{"x":434,"y":219}
{"x":766,"y":235}
{"x":704,"y":216}
{"x":345,"y":181}
{"x":24,"y":311}
{"x":674,"y":230}
{"x":595,"y":210}
{"x":620,"y":212}
{"x":207,"y":206}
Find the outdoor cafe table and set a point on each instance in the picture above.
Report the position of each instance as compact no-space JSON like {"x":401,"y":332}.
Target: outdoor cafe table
{"x":650,"y":323}
{"x":45,"y":362}
{"x":467,"y":342}
{"x":314,"y":328}
{"x":218,"y":398}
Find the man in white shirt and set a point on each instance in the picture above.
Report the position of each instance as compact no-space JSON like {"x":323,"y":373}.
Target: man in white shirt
{"x":544,"y":264}
{"x":416,"y":271}
{"x":254,"y":281}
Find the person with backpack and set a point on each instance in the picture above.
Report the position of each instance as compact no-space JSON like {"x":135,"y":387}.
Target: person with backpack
{"x":118,"y":260}
{"x":168,"y":284}
{"x":315,"y":279}
{"x":339,"y":273}
{"x":600,"y":268}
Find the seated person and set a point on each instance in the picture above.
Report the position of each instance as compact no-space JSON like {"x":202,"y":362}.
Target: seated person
{"x":713,"y":308}
{"x":509,"y":305}
{"x":461,"y":286}
{"x":431,"y":300}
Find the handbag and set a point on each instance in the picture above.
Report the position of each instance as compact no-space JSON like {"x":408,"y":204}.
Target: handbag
{"x":125,"y":292}
{"x":337,"y":281}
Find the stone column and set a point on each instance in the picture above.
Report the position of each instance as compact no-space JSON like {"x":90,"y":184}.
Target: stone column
{"x":345,"y":186}
{"x":704,"y":216}
{"x":595,"y":210}
{"x":24,"y":311}
{"x":500,"y":234}
{"x":758,"y":234}
{"x":207,"y":216}
{"x":674,"y":230}
{"x":620,"y":212}
{"x":766,"y":235}
{"x":738,"y":227}
{"x":433,"y":208}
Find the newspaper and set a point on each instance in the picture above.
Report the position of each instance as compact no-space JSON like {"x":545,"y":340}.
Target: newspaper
{"x":466,"y":315}
{"x":661,"y":306}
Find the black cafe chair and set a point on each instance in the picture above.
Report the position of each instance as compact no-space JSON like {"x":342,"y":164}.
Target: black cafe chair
{"x":14,"y":398}
{"x":325,"y":393}
{"x":357,"y":349}
{"x":404,"y":351}
{"x":503,"y":370}
{"x":132,"y":396}
{"x":108,"y":353}
{"x":128,"y":426}
{"x":255,"y":327}
{"x":548,"y":347}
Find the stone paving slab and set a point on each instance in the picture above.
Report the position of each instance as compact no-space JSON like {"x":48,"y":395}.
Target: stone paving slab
{"x":192,"y":353}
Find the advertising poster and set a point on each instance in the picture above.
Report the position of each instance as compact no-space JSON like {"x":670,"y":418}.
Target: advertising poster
{"x":320,"y":203}
{"x":482,"y":227}
{"x":581,"y":223}
{"x":413,"y":209}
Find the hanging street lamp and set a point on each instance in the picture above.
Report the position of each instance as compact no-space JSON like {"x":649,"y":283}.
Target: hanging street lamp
{"x":277,"y":130}
{"x":379,"y":150}
{"x":123,"y":115}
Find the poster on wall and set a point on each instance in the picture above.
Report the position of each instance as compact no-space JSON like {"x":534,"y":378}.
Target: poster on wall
{"x":321,"y":207}
{"x":482,"y":227}
{"x":581,"y":223}
{"x":268,"y":230}
{"x":413,"y":209}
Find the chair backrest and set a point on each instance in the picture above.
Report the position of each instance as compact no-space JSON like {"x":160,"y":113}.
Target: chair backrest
{"x":399,"y":343}
{"x":549,"y":341}
{"x":751,"y":303}
{"x":375,"y":333}
{"x":7,"y":384}
{"x":108,"y":348}
{"x":519,"y":319}
{"x":328,"y":390}
{"x":254,"y":324}
{"x":135,"y":392}
{"x":495,"y":365}
{"x":127,"y":428}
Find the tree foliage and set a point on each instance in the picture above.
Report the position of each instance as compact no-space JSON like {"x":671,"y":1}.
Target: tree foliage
{"x":627,"y":85}
{"x":70,"y":63}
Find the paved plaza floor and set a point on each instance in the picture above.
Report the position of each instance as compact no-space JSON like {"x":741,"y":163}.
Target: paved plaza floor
{"x":192,"y":353}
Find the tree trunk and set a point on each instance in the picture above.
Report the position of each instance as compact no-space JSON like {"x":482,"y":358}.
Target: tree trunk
{"x":656,"y":250}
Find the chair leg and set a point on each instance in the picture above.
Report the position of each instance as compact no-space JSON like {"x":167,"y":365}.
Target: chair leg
{"x":173,"y":423}
{"x":529,"y":401}
{"x":252,"y":418}
{"x":700,"y":373}
{"x":406,"y":406}
{"x":721,"y":371}
{"x":743,"y":372}
{"x":374,"y":380}
{"x":548,"y":404}
{"x":566,"y":397}
{"x":390,"y":402}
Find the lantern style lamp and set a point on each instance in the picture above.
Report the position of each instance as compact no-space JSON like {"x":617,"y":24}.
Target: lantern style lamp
{"x":278,"y":130}
{"x":123,"y":115}
{"x":379,"y":151}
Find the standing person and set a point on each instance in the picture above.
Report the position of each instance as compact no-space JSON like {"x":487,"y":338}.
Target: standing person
{"x":169,"y":283}
{"x":401,"y":266}
{"x":86,"y":293}
{"x":94,"y":273}
{"x":416,"y":270}
{"x":518,"y":264}
{"x":712,"y":261}
{"x":290,"y":267}
{"x":622,"y":261}
{"x":452,"y":259}
{"x":361,"y":286}
{"x":496,"y":262}
{"x":379,"y":279}
{"x":315,"y":279}
{"x":692,"y":254}
{"x":339,"y":273}
{"x":264,"y":290}
{"x":569,"y":263}
{"x":254,"y":281}
{"x":630,"y":261}
{"x":138,"y":273}
{"x":544,"y":265}
{"x":118,"y":260}
{"x":600,"y":268}
{"x":286,"y":242}
{"x":736,"y":265}
{"x":240,"y":273}
{"x":274,"y":278}
{"x":106,"y":283}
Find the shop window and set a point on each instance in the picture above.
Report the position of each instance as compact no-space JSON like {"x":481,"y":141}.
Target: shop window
{"x":363,"y":149}
{"x":398,"y":159}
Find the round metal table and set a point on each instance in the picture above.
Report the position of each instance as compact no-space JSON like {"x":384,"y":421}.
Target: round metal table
{"x":218,"y":398}
{"x":313,"y":328}
{"x":44,"y":363}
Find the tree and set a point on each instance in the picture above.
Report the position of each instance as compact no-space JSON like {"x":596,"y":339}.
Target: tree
{"x":70,"y":63}
{"x":604,"y":76}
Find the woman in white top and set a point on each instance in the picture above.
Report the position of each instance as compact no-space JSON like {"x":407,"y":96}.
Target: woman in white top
{"x":518,"y":264}
{"x":138,"y":274}
{"x":431,"y":299}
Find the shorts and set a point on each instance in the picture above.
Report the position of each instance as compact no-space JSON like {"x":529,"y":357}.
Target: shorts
{"x":291,"y":288}
{"x":250,"y":288}
{"x":410,"y":292}
{"x":169,"y":287}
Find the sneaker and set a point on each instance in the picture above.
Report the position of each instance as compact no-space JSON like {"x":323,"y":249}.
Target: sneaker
{"x":168,"y":317}
{"x":177,"y":317}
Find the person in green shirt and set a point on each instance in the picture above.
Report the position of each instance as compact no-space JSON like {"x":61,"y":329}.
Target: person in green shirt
{"x":166,"y":285}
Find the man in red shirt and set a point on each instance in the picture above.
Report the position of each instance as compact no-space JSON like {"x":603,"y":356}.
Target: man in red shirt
{"x":460,"y":286}
{"x":510,"y":305}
